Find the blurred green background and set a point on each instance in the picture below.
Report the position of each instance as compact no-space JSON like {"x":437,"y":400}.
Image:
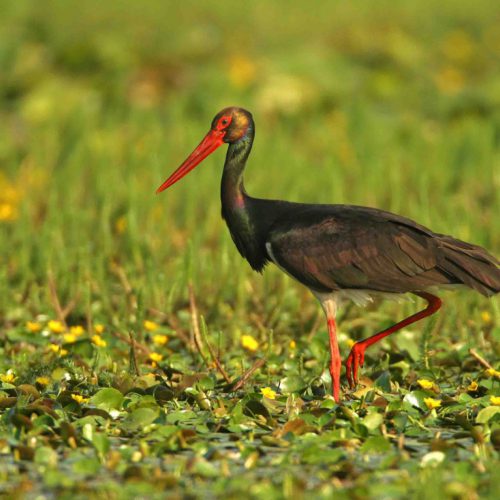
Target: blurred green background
{"x":387,"y":104}
{"x":393,"y":105}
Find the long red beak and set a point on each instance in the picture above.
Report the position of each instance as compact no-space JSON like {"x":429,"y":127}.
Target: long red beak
{"x":208,"y":145}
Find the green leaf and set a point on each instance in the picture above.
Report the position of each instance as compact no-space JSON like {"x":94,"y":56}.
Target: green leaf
{"x":376,"y":444}
{"x":82,"y":347}
{"x":205,"y":469}
{"x":416,"y":399}
{"x":205,"y":384}
{"x":180,"y":416}
{"x":486,"y":414}
{"x":101,"y":443}
{"x":293,"y":383}
{"x":403,"y":366}
{"x":373,"y":421}
{"x":108,"y":399}
{"x":384,"y":381}
{"x":254,"y":407}
{"x":46,"y":456}
{"x":317,"y":455}
{"x":86,"y":466}
{"x":140,"y":418}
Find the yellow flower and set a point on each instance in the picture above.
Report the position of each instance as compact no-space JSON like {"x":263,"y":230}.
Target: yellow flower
{"x":8,"y":212}
{"x":268,"y":393}
{"x":493,"y":373}
{"x":350,"y":342}
{"x":160,"y":339}
{"x":150,"y":326}
{"x":42,"y":380}
{"x":56,"y":326}
{"x":293,"y":344}
{"x":8,"y":377}
{"x":486,"y":317}
{"x":432,"y":403}
{"x":57,"y":349}
{"x":156,"y":357}
{"x":77,"y":330}
{"x":99,"y":328}
{"x":249,"y":343}
{"x":449,"y":80}
{"x":458,"y":46}
{"x":242,"y":71}
{"x":79,"y":399}
{"x":69,"y":338}
{"x":33,"y":326}
{"x":472,"y":387}
{"x":425,"y":384}
{"x":98,"y":341}
{"x":10,"y":197}
{"x":495,"y":400}
{"x":54,"y":347}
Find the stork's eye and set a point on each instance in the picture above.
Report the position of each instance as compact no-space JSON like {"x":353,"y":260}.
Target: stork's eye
{"x":223,"y":122}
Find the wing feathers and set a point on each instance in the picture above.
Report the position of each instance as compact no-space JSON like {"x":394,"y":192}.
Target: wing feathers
{"x":370,"y":251}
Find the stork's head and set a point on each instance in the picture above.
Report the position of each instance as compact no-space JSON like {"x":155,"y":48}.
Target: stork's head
{"x":229,"y":126}
{"x":233,"y":123}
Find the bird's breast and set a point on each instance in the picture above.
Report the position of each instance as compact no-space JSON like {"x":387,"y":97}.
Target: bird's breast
{"x":245,"y":236}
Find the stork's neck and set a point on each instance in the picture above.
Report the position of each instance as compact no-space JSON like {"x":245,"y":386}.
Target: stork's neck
{"x":232,"y":189}
{"x":244,"y":227}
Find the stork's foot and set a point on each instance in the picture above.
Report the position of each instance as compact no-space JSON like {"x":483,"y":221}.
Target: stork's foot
{"x":355,"y":359}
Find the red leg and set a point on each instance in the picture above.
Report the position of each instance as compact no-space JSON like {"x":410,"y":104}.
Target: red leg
{"x":357,"y":356}
{"x":329,"y":305}
{"x":335,"y":361}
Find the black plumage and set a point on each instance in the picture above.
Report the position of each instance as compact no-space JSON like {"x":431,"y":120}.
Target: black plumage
{"x":335,"y":247}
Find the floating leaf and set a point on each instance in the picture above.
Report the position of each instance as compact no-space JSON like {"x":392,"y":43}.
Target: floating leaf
{"x":373,"y":421}
{"x":315,"y":454}
{"x":140,"y":418}
{"x":101,"y":443}
{"x":376,"y":444}
{"x":416,"y":399}
{"x":46,"y":456}
{"x":486,"y":414}
{"x":86,"y":466}
{"x":293,"y":383}
{"x":384,"y":382}
{"x":107,"y":399}
{"x":205,"y":469}
{"x":180,"y":416}
{"x":254,"y":407}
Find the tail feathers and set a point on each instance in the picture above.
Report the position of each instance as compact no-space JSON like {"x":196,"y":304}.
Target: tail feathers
{"x":471,"y":265}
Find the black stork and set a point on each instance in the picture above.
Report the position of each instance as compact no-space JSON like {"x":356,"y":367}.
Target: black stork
{"x":337,"y":251}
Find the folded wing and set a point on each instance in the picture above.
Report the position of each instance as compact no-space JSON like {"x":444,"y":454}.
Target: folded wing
{"x":343,"y":247}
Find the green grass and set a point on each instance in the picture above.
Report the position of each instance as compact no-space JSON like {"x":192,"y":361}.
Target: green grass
{"x":378,"y":104}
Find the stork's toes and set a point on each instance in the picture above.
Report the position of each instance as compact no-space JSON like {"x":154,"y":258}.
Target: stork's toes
{"x":355,"y":359}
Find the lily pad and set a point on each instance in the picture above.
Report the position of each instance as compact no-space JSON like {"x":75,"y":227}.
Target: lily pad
{"x":108,"y":399}
{"x":292,"y":383}
{"x":140,"y":418}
